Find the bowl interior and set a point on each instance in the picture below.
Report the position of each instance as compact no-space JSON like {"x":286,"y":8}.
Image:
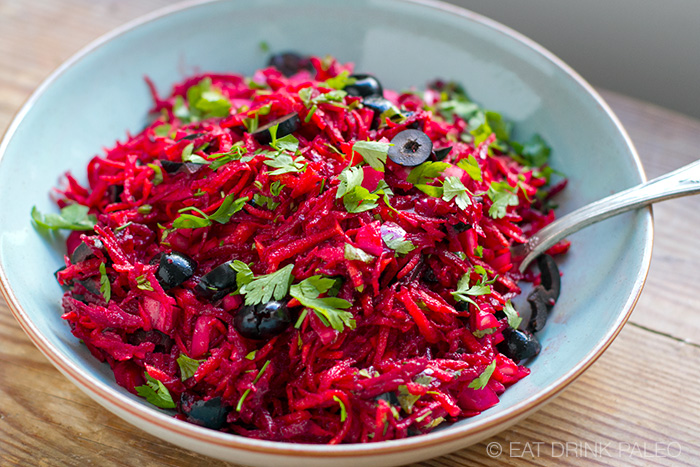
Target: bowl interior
{"x":101,"y":95}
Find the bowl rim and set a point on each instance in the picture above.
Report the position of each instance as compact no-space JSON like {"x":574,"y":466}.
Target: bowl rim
{"x":107,"y":397}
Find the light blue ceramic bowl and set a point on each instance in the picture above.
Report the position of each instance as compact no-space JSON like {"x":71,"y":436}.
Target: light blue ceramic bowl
{"x":99,"y":95}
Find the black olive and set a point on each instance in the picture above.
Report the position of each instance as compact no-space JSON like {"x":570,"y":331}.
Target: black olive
{"x":379,"y":105}
{"x":410,"y":148}
{"x":461,"y":227}
{"x":174,"y":167}
{"x":209,"y":414}
{"x":290,"y":63}
{"x":174,"y":268}
{"x":114,"y":193}
{"x":286,"y":126}
{"x":440,"y":154}
{"x":540,"y":303}
{"x":429,"y":275}
{"x":462,"y":306}
{"x":364,"y":86}
{"x":262,"y":321}
{"x":549,"y":275}
{"x":65,"y":286}
{"x":81,"y":253}
{"x":170,"y":166}
{"x":191,"y":137}
{"x":218,"y":282}
{"x":519,"y":345}
{"x":389,"y":397}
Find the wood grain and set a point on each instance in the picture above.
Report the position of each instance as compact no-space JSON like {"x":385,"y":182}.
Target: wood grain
{"x":638,"y":405}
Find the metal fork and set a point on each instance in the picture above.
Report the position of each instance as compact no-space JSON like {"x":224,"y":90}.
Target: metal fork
{"x":681,"y":182}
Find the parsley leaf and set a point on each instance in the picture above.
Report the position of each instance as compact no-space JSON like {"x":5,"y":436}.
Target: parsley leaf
{"x":464,"y":291}
{"x":502,"y":195}
{"x":187,"y":156}
{"x":395,"y":238}
{"x":244,"y":274}
{"x":340,"y":81}
{"x":276,"y":188}
{"x":157,"y":174}
{"x":222,"y":215}
{"x":105,"y":286}
{"x":356,"y":254}
{"x":72,"y":217}
{"x":162,"y":130}
{"x":252,"y":119}
{"x":156,"y":393}
{"x":261,"y":289}
{"x":188,"y":366}
{"x":359,"y":199}
{"x":471,"y":166}
{"x":373,"y":152}
{"x":426,"y":172}
{"x":235,"y":153}
{"x":204,"y":102}
{"x":452,"y":187}
{"x":284,"y":163}
{"x":328,"y":309}
{"x":482,"y":380}
{"x":512,"y":315}
{"x":535,"y":151}
{"x":350,"y":178}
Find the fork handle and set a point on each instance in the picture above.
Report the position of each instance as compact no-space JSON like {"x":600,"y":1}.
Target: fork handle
{"x":681,"y":182}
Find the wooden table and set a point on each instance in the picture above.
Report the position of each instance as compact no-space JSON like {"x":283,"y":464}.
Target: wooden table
{"x":639,"y":404}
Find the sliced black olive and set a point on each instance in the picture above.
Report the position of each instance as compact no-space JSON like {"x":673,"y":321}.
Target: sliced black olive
{"x":441,"y":154}
{"x":429,"y":275}
{"x":549,"y":275}
{"x":210,"y":414}
{"x":170,"y":166}
{"x":91,"y":284}
{"x":174,"y":167}
{"x":462,"y":306}
{"x":290,"y":63}
{"x":114,"y":193}
{"x":286,"y":126}
{"x":389,"y":397}
{"x":191,"y":137}
{"x":364,"y":86}
{"x":379,"y":106}
{"x":410,"y":148}
{"x":82,"y":252}
{"x":174,"y":268}
{"x":262,"y":321}
{"x":519,"y":345}
{"x":218,"y":282}
{"x":540,"y":303}
{"x":461,"y":227}
{"x":66,"y":286}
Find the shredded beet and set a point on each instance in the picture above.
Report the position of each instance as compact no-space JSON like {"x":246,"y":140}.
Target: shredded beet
{"x":417,"y":269}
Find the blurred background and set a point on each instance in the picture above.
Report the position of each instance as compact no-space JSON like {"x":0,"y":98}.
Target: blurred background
{"x":647,"y":49}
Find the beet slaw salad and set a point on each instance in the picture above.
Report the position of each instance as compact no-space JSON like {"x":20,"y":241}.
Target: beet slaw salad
{"x":304,"y":256}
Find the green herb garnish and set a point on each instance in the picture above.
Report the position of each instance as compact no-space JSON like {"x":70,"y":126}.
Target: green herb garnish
{"x":330,"y":310}
{"x":72,"y":217}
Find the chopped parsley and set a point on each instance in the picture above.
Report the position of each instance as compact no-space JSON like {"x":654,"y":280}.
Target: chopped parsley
{"x":72,"y":217}
{"x":373,"y":152}
{"x":263,"y":288}
{"x":330,"y":310}
{"x":396,"y":240}
{"x":156,"y":393}
{"x":512,"y":315}
{"x":284,"y":163}
{"x":482,"y":380}
{"x":502,"y":195}
{"x":105,"y":286}
{"x":425,"y":173}
{"x":222,"y":215}
{"x":452,"y":187}
{"x":239,"y":406}
{"x":534,"y":152}
{"x":343,"y":410}
{"x":471,"y":166}
{"x":236,"y":153}
{"x":465,"y":291}
{"x":188,"y":366}
{"x":356,"y":254}
{"x":143,"y":283}
{"x":203,"y":102}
